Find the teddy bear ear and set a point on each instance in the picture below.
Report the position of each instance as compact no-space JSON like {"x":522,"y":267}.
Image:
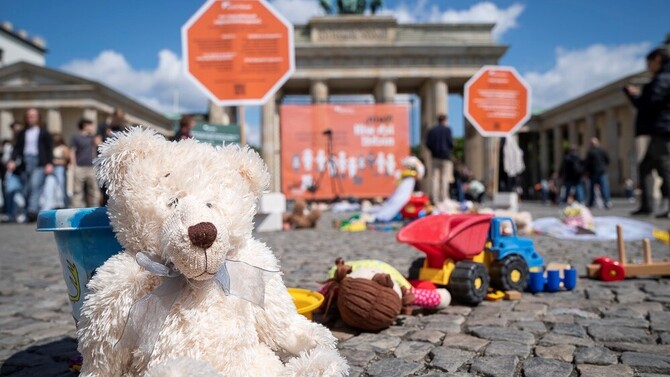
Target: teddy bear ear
{"x":250,"y":166}
{"x":120,"y":150}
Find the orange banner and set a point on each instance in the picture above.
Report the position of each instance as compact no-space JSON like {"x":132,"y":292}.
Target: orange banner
{"x":330,"y":151}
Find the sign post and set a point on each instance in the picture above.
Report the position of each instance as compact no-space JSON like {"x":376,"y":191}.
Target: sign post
{"x":497,"y":103}
{"x":238,"y":52}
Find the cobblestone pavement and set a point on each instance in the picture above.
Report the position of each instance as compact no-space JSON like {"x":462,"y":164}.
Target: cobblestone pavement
{"x":599,"y":329}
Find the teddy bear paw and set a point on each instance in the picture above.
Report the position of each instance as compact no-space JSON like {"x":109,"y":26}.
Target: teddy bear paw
{"x":182,"y":366}
{"x":320,"y":361}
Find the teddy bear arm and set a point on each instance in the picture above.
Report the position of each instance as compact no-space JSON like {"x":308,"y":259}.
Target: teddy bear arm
{"x":112,"y":291}
{"x":280,"y":326}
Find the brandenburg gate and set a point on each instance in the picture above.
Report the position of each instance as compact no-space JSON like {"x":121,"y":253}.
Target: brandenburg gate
{"x":374,"y":54}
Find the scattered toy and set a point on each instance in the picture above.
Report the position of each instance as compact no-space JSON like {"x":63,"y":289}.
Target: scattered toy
{"x":513,"y":295}
{"x":495,"y":295}
{"x":366,"y":304}
{"x":551,"y":280}
{"x":461,"y":249}
{"x":161,"y":303}
{"x":301,"y":217}
{"x":607,"y":269}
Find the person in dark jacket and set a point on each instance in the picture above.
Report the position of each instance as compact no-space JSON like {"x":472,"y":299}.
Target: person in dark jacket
{"x":597,"y":161}
{"x":572,"y":172}
{"x":653,"y":119}
{"x":33,"y":158}
{"x":440,"y":143}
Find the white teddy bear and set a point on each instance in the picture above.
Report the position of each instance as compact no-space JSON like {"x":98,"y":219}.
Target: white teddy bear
{"x":192,"y":293}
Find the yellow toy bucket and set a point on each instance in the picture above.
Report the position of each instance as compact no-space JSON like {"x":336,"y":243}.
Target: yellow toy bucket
{"x":306,"y":301}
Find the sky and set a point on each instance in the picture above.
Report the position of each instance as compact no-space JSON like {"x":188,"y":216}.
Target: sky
{"x":562,"y":48}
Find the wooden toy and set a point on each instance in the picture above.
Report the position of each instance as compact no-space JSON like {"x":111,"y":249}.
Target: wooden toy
{"x":610,"y":270}
{"x":512,"y":295}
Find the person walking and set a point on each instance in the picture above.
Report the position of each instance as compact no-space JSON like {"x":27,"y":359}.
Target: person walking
{"x":440,"y":144}
{"x":597,"y":161}
{"x":32,"y":156}
{"x":572,"y":171}
{"x":83,"y":148}
{"x":653,"y":119}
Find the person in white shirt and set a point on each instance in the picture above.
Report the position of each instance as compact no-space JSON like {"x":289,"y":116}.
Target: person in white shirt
{"x":33,"y":158}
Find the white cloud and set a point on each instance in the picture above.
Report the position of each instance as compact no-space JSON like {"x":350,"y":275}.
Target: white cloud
{"x":298,"y":11}
{"x":486,"y":12}
{"x":253,"y":133}
{"x":576,"y":72}
{"x":155,"y":87}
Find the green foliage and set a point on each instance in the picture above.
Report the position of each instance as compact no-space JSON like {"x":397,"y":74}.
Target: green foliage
{"x":459,"y":148}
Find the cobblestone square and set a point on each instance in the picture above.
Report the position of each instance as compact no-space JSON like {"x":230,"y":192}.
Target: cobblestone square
{"x":599,"y":329}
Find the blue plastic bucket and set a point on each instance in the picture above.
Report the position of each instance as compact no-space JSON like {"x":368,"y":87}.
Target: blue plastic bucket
{"x":85,"y":241}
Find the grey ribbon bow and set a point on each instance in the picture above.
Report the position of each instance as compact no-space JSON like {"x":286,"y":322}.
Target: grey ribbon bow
{"x":148,"y":314}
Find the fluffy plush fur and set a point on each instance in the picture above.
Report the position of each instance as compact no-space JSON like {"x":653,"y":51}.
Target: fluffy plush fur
{"x":158,"y":190}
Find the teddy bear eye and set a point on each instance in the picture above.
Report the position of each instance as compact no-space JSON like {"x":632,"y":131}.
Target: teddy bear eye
{"x":210,"y":205}
{"x":173,"y":202}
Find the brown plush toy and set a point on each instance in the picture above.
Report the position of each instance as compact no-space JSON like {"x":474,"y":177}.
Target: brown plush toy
{"x":299,"y":219}
{"x":365,"y":304}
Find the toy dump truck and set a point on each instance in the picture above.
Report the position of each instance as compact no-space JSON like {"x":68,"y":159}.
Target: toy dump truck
{"x":467,"y":252}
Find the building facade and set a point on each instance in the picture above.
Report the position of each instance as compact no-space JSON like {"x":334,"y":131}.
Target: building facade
{"x":354,"y":54}
{"x":62,"y":99}
{"x":604,"y":113}
{"x":18,"y":46}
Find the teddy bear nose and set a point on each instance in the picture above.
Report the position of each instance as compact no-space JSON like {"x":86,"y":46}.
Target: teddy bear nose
{"x":202,"y":234}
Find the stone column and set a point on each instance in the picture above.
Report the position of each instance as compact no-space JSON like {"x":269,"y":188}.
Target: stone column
{"x":611,"y":145}
{"x":319,"y":91}
{"x":54,"y":121}
{"x":6,"y":120}
{"x":475,"y":153}
{"x":270,"y":140}
{"x":385,"y":91}
{"x":558,"y":147}
{"x":572,"y":132}
{"x":590,"y":130}
{"x":544,"y":154}
{"x":90,"y":114}
{"x":222,"y":114}
{"x":441,"y":91}
{"x":434,"y":94}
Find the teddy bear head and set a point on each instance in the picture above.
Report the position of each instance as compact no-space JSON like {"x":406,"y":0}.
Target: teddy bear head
{"x":188,"y":203}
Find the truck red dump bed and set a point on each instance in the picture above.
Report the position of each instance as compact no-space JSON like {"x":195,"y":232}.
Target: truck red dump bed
{"x":457,"y":237}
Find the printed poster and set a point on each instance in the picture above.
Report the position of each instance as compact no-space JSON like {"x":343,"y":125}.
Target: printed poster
{"x":330,"y":151}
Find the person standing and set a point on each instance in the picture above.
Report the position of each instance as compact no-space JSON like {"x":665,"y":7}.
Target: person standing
{"x":83,"y":146}
{"x":597,"y":161}
{"x":55,"y":193}
{"x":441,"y":144}
{"x":32,"y":156}
{"x":572,"y":171}
{"x":186,"y":124}
{"x":653,"y":119}
{"x":115,"y":123}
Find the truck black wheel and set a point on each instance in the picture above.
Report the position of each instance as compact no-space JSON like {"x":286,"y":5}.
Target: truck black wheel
{"x":510,"y":274}
{"x":415,"y":268}
{"x":469,"y":282}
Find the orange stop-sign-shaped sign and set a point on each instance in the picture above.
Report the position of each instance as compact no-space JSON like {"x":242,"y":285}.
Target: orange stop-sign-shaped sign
{"x":239,"y":52}
{"x":497,"y":101}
